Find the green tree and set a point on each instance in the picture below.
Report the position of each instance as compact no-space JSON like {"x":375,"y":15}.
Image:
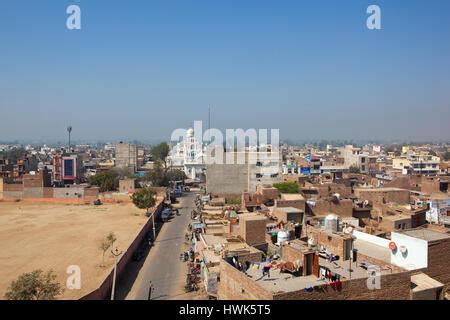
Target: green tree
{"x":144,"y":198}
{"x":35,"y":285}
{"x":176,"y":175}
{"x":157,"y":176}
{"x":106,"y":181}
{"x":160,"y":153}
{"x":446,"y":156}
{"x":287,"y":187}
{"x":354,"y":169}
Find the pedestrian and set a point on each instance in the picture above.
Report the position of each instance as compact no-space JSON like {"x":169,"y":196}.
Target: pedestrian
{"x":266,"y":269}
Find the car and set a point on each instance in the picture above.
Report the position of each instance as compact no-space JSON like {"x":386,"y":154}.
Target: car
{"x":165,"y":214}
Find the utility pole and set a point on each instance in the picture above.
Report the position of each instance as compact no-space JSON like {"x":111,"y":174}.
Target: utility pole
{"x":153,"y":222}
{"x":116,"y":254}
{"x":150,"y":291}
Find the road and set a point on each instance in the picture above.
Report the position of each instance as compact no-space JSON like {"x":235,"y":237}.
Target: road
{"x":162,"y":266}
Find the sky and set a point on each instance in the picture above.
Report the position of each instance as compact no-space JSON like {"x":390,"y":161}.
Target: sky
{"x":140,"y":69}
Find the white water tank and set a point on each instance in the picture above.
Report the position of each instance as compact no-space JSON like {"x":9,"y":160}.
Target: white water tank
{"x":332,"y":222}
{"x":282,"y":236}
{"x":311,"y":243}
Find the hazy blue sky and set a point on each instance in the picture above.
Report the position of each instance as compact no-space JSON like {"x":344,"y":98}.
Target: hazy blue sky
{"x":139,"y":69}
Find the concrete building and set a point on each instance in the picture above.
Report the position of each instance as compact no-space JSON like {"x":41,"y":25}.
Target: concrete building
{"x":423,"y":164}
{"x":355,"y":157}
{"x":244,"y":173}
{"x":126,"y":156}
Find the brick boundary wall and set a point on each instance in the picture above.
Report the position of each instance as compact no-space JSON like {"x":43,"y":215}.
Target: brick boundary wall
{"x":103,"y":292}
{"x":65,"y":200}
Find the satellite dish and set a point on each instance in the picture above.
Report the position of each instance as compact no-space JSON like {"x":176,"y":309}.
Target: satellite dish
{"x":392,"y":245}
{"x":403,"y":249}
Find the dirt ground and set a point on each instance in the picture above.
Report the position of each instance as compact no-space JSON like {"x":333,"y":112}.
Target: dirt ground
{"x":55,"y":236}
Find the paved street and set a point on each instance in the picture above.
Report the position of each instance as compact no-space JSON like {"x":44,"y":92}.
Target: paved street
{"x":162,"y":266}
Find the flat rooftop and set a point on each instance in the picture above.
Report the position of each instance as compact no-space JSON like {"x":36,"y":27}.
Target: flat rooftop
{"x":357,"y":272}
{"x":424,"y":282}
{"x":292,"y":196}
{"x":385,"y":189}
{"x":251,"y":216}
{"x":289,"y":209}
{"x":283,"y":282}
{"x":425,"y":234}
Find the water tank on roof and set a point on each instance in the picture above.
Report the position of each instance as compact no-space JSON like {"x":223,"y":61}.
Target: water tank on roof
{"x":282,"y":236}
{"x":312,"y":244}
{"x":332,"y":222}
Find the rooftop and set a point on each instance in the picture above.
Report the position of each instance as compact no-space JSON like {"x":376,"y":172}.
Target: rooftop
{"x":293,"y":196}
{"x":424,"y":282}
{"x":283,"y":282}
{"x":424,"y":234}
{"x":387,"y":189}
{"x":289,"y":209}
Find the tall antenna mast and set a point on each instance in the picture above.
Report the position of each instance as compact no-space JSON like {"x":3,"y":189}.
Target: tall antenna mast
{"x":69,"y":130}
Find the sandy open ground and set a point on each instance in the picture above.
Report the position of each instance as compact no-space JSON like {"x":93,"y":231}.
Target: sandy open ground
{"x":55,"y":236}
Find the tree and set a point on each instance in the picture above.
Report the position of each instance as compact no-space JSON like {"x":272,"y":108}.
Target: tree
{"x":157,"y":176}
{"x":123,"y":172}
{"x":106,"y":181}
{"x":287,"y":187}
{"x":106,"y":243}
{"x":160,"y":153}
{"x":446,"y":156}
{"x":144,"y":198}
{"x":111,"y":237}
{"x":354,"y":169}
{"x":35,"y":285}
{"x":176,"y":175}
{"x":104,"y":246}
